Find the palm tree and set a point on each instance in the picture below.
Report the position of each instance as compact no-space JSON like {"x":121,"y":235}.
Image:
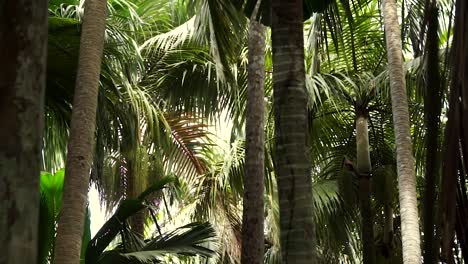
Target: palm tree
{"x":432,"y":112}
{"x":253,"y":241}
{"x":168,"y":140}
{"x":355,"y":91}
{"x":405,"y":160}
{"x":370,"y":62}
{"x":290,"y":106}
{"x":152,"y":127}
{"x":453,"y":198}
{"x":81,"y":142}
{"x":22,"y":80}
{"x":364,"y":172}
{"x":163,"y":75}
{"x":459,"y":64}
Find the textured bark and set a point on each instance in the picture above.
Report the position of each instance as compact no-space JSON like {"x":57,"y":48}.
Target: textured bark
{"x":82,"y":130}
{"x":364,"y":169}
{"x":405,"y":161}
{"x":137,"y":221}
{"x":23,"y":48}
{"x":253,"y":239}
{"x":292,"y":162}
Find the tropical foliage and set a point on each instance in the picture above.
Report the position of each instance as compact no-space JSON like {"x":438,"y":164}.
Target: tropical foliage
{"x":184,"y":240}
{"x":170,"y":139}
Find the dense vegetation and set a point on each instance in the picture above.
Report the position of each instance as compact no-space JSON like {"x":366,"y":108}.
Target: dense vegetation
{"x":234,"y":131}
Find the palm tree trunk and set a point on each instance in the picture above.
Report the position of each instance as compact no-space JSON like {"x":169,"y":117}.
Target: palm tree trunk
{"x":461,"y":215}
{"x":456,"y":133}
{"x":253,"y":239}
{"x":80,"y":145}
{"x":388,"y":226}
{"x":461,"y":64}
{"x":450,"y":164}
{"x":23,"y":49}
{"x":292,"y":164}
{"x":405,"y":161}
{"x":137,"y":221}
{"x":364,"y":169}
{"x":432,"y":110}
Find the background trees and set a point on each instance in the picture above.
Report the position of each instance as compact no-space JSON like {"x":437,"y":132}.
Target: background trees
{"x":172,"y":100}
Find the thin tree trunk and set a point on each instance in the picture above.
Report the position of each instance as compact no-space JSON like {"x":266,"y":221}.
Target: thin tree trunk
{"x":137,"y":224}
{"x":253,"y":239}
{"x":292,"y":164}
{"x":364,"y":169}
{"x":23,"y":49}
{"x":82,"y":130}
{"x":405,"y":161}
{"x":432,"y":110}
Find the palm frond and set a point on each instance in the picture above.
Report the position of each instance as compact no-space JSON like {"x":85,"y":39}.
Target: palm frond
{"x":187,"y":240}
{"x":113,"y":226}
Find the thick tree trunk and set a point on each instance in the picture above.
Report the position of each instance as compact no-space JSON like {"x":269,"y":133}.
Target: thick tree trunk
{"x":388,"y":227}
{"x":253,"y":240}
{"x":364,"y":170}
{"x":451,"y":164}
{"x":137,"y":222}
{"x":292,"y":164}
{"x":461,"y":63}
{"x":405,"y":161}
{"x":82,"y":130}
{"x":23,"y":48}
{"x":456,"y":133}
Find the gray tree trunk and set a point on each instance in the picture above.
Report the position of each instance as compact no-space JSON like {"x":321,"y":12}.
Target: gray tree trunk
{"x":23,"y":49}
{"x":364,"y":169}
{"x":405,"y":161}
{"x":82,"y":130}
{"x":253,"y":239}
{"x":292,"y":163}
